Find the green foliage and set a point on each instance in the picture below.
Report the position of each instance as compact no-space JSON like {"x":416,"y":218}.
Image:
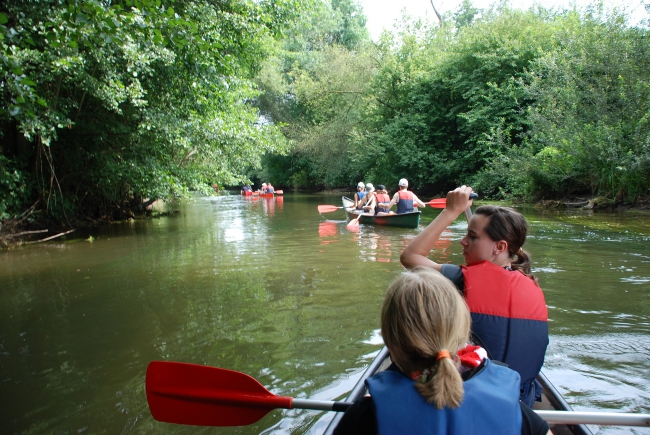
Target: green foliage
{"x":316,"y":86}
{"x":14,"y":189}
{"x":108,"y":104}
{"x":138,"y":99}
{"x":593,"y":102}
{"x":523,"y":104}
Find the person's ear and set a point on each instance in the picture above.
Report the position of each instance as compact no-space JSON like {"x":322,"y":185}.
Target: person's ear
{"x":501,"y":246}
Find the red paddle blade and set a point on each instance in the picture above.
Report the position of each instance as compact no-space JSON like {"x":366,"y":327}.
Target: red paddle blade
{"x":442,"y":202}
{"x":437,"y":203}
{"x":207,"y":396}
{"x":327,"y":208}
{"x":354,"y":222}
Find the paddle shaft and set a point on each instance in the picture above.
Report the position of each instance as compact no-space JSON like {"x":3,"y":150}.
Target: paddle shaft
{"x":553,"y":417}
{"x":468,"y":210}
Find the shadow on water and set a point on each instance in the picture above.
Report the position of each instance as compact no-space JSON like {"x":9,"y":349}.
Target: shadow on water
{"x":269,"y":287}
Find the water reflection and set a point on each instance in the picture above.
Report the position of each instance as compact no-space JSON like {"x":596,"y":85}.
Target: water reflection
{"x":328,"y":232}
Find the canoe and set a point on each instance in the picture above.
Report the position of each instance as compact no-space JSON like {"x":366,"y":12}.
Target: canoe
{"x":266,"y":195}
{"x":551,"y":398}
{"x":246,"y":192}
{"x":404,"y":220}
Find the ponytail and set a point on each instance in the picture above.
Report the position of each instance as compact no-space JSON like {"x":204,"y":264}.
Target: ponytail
{"x":521,"y":263}
{"x":445,"y":387}
{"x":423,"y":314}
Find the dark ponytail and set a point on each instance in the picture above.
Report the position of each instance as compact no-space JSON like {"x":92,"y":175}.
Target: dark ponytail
{"x":509,"y":225}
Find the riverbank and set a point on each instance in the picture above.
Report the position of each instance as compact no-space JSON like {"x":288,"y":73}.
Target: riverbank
{"x":31,"y":228}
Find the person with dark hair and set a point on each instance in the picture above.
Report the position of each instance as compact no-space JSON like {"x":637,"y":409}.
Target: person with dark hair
{"x":509,"y":313}
{"x":429,"y":388}
{"x":382,"y":199}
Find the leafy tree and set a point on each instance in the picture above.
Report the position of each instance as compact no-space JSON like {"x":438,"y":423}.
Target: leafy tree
{"x":314,"y":86}
{"x":106,"y":104}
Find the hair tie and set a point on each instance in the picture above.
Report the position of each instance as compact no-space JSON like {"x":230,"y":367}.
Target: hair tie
{"x":443,"y":354}
{"x":520,"y":251}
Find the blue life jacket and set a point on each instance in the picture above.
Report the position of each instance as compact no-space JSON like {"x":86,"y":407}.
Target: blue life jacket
{"x":490,"y":405}
{"x":405,"y":203}
{"x":510,"y":318}
{"x":361,"y":195}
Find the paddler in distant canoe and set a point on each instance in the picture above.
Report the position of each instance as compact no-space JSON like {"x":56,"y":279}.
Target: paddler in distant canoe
{"x":368,"y":203}
{"x":359,"y":195}
{"x":382,"y":199}
{"x":405,"y":199}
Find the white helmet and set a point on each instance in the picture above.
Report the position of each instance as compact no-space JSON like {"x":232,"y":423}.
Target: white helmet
{"x":361,"y":185}
{"x":370,"y":187}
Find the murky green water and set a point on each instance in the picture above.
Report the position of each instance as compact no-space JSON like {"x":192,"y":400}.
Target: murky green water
{"x":270,"y":288}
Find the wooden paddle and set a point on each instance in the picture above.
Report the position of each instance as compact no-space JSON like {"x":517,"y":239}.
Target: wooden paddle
{"x":210,"y":396}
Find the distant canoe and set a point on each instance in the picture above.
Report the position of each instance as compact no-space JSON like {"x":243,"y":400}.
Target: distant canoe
{"x":404,"y":220}
{"x":246,"y":192}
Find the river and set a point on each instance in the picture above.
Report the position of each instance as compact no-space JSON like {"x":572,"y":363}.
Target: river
{"x":271,"y":288}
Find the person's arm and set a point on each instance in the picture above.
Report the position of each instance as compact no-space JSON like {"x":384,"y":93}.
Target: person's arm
{"x":359,"y":419}
{"x":370,"y":205}
{"x":417,"y":202}
{"x":416,"y":253}
{"x":393,"y":201}
{"x":531,"y":423}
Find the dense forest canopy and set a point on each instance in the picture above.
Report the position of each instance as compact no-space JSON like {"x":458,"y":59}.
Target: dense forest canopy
{"x":109,"y":105}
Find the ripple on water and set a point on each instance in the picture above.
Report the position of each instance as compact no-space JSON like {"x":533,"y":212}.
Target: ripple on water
{"x":605,"y":372}
{"x":636,"y":279}
{"x":548,"y":269}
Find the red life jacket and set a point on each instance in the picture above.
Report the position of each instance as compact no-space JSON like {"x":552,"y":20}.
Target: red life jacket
{"x":405,"y":203}
{"x":509,"y":316}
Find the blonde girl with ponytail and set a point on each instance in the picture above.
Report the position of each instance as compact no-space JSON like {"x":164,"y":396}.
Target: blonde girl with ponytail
{"x":424,"y":322}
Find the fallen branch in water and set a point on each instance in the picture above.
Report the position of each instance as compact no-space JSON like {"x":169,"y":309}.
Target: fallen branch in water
{"x":25,"y":232}
{"x":50,"y":238}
